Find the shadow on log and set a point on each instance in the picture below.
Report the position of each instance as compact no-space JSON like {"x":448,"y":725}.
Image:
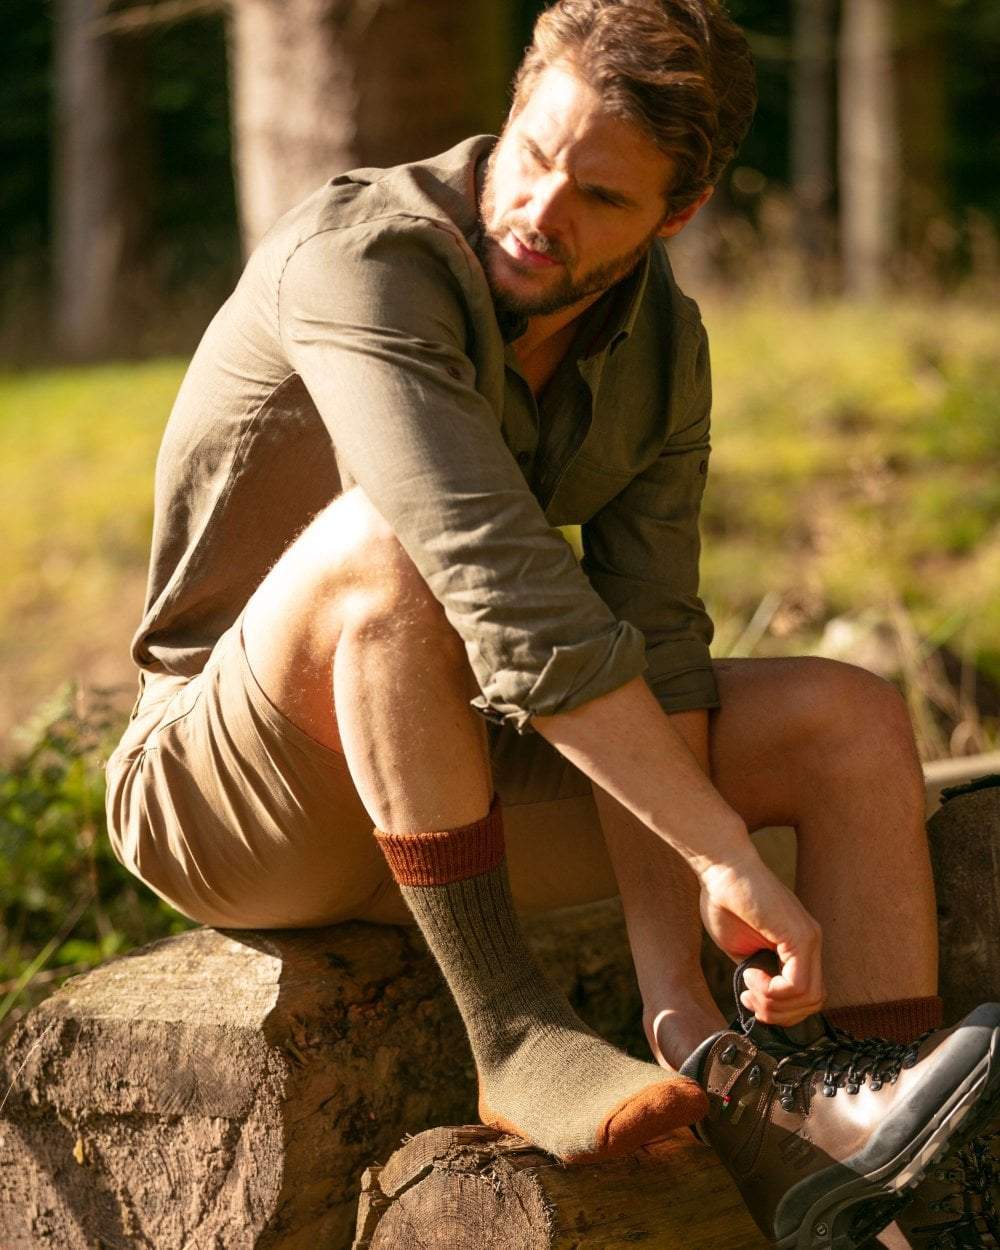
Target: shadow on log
{"x":965,"y":852}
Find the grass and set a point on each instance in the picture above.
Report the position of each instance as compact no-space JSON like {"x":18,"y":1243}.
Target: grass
{"x":78,"y":448}
{"x":854,"y":468}
{"x":853,"y":487}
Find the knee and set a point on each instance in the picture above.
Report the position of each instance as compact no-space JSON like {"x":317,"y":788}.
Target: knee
{"x":848,"y":714}
{"x":362,"y":576}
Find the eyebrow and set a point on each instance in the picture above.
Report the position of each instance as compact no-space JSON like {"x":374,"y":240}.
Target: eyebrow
{"x":593,"y":188}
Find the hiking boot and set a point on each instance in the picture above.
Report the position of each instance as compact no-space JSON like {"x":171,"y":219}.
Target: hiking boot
{"x":825,"y":1134}
{"x":957,"y":1205}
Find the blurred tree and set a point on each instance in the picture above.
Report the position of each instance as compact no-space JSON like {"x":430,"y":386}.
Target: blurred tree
{"x":321,"y":86}
{"x":812,"y":134}
{"x":869,"y":146}
{"x":923,"y":118}
{"x":101,"y":208}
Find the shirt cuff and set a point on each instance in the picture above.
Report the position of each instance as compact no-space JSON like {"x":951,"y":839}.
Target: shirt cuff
{"x":681,"y":676}
{"x":572,"y":676}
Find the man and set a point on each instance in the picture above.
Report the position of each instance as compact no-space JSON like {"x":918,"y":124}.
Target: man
{"x":421,"y":373}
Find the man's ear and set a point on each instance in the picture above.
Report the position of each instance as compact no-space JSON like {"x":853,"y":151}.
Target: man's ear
{"x":675,"y":224}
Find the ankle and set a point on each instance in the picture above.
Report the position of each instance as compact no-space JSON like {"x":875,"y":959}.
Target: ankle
{"x":674,"y":1031}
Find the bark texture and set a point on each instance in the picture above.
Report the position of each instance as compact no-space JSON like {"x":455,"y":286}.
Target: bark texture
{"x":100,"y":183}
{"x":869,"y":146}
{"x":965,"y":850}
{"x":226,"y":1090}
{"x":458,"y":1188}
{"x":812,"y":134}
{"x":323,"y":86}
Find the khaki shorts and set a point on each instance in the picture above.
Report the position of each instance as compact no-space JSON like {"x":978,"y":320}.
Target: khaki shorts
{"x":239,"y":819}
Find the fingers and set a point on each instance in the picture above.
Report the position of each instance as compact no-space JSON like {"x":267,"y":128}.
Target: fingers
{"x":796,"y":992}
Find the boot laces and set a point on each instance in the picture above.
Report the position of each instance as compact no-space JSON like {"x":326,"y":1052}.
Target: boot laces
{"x":847,"y":1062}
{"x":974,"y":1172}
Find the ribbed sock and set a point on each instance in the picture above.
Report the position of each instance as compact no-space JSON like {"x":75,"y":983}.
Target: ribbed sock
{"x":899,"y":1021}
{"x":543,"y":1074}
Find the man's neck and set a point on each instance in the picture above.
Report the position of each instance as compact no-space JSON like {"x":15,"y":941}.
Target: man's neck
{"x":558,"y":326}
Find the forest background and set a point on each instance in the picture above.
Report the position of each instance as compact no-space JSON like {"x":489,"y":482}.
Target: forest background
{"x":848,"y":270}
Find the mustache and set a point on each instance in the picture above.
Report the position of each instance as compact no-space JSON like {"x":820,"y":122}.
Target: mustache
{"x":532,"y":238}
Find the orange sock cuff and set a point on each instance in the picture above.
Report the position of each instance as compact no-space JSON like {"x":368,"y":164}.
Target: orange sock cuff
{"x":440,"y":857}
{"x":898,"y":1021}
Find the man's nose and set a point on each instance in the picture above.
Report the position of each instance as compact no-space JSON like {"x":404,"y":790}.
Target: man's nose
{"x":547,"y":208}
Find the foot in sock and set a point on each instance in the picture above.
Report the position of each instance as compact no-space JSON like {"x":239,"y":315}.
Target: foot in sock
{"x":543,"y":1074}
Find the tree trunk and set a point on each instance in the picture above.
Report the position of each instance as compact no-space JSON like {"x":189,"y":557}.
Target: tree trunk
{"x":812,"y":137}
{"x":322,"y":86}
{"x":464,"y":1187}
{"x":921,"y":76}
{"x":869,"y":147}
{"x":101,"y":180}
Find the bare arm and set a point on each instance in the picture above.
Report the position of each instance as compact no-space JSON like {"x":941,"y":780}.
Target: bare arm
{"x":627,"y":745}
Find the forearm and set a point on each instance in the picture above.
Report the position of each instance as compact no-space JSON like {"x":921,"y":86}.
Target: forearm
{"x":627,"y":745}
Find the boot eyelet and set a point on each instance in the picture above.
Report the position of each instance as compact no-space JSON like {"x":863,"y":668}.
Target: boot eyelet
{"x":876,"y":1083}
{"x":787,"y":1102}
{"x":853,"y":1087}
{"x":728,"y":1056}
{"x":754,"y":1076}
{"x":829,"y":1091}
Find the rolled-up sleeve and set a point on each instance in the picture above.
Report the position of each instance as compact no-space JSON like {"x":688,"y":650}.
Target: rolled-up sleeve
{"x":375,"y":322}
{"x":641,"y":551}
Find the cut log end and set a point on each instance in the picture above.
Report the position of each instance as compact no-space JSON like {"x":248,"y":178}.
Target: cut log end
{"x":472,"y":1186}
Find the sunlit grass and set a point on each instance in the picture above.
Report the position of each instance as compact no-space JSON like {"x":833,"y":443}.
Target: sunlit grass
{"x":77,"y":450}
{"x":854,"y":465}
{"x":855,"y":457}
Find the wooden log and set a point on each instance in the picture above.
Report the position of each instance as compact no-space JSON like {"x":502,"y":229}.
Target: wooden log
{"x":225,"y":1091}
{"x":469,"y":1187}
{"x":965,"y":851}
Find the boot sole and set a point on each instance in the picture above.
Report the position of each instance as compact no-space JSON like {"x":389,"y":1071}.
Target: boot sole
{"x":854,"y":1210}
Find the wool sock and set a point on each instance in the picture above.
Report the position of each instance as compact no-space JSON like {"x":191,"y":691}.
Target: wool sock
{"x":543,"y":1074}
{"x":899,"y":1021}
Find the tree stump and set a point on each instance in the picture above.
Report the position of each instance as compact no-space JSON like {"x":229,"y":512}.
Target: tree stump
{"x":453,"y":1188}
{"x":965,"y":851}
{"x":221,"y":1091}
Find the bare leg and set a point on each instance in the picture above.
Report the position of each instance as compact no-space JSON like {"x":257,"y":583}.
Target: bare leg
{"x":345,"y":638}
{"x":660,"y":899}
{"x":828,"y":749}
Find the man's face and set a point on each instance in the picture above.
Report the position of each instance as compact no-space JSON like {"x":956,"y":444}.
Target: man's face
{"x":572,"y":199}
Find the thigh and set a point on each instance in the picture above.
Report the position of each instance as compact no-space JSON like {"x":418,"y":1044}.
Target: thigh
{"x":761,"y":732}
{"x":235,"y":815}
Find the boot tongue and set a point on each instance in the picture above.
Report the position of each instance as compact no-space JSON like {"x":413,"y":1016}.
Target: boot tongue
{"x":773,"y":1038}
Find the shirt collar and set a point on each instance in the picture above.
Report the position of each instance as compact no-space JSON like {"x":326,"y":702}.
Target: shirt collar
{"x":614,"y":316}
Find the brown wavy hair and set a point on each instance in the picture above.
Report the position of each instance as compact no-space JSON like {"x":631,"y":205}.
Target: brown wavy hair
{"x":679,"y":69}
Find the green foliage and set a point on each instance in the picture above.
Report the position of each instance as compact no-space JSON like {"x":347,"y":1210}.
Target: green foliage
{"x":67,"y":902}
{"x":854,"y":468}
{"x":79,"y":446}
{"x":853,"y":473}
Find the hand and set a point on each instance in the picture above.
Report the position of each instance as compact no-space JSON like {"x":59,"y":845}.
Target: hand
{"x":745,"y":908}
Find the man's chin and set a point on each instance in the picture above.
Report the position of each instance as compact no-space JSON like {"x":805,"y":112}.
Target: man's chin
{"x":532,"y":296}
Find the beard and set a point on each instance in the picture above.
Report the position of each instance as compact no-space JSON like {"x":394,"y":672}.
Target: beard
{"x":571,"y":286}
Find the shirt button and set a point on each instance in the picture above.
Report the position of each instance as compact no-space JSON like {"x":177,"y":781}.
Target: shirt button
{"x":524,"y":458}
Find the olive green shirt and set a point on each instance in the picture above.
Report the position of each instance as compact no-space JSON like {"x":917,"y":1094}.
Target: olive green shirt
{"x":361,"y":346}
